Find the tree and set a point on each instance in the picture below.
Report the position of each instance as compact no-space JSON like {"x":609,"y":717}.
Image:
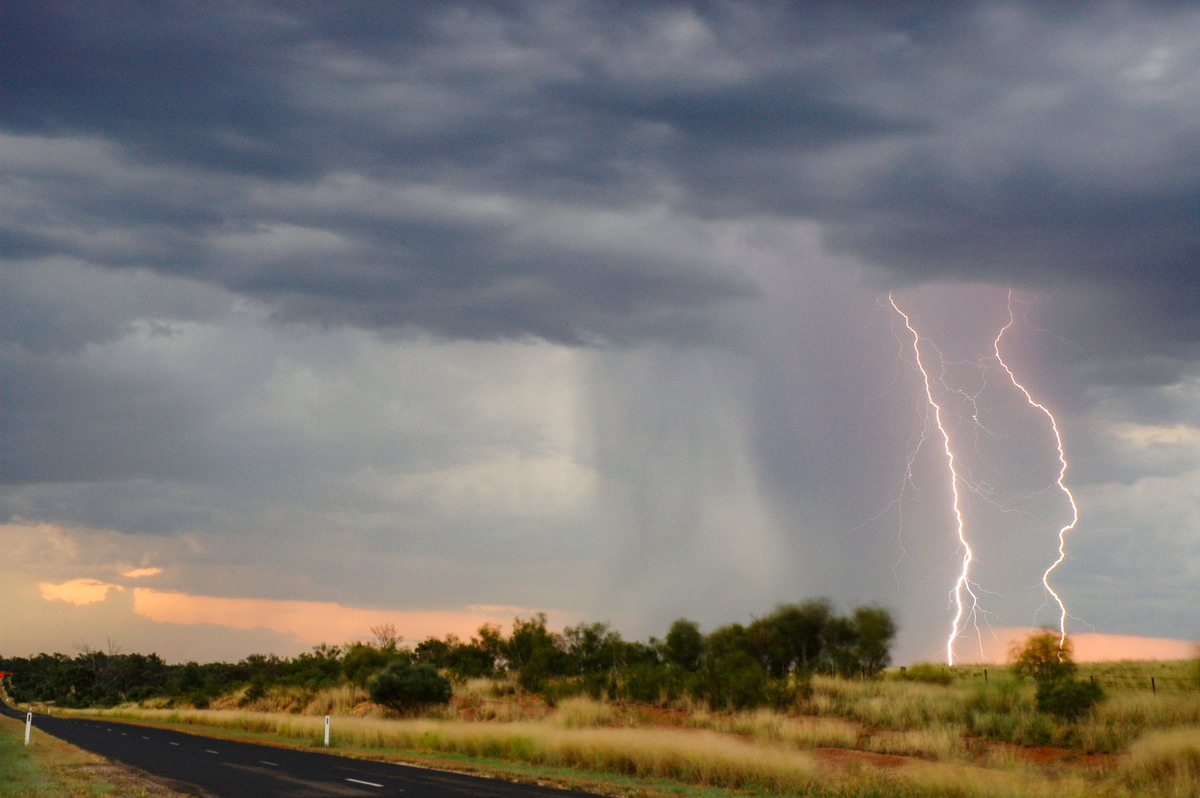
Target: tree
{"x":386,"y":638}
{"x":684,"y":645}
{"x":839,"y":645}
{"x":802,"y":628}
{"x":593,"y":648}
{"x":875,"y":629}
{"x":361,"y":661}
{"x":406,"y":687}
{"x":1047,"y":659}
{"x":1044,"y":657}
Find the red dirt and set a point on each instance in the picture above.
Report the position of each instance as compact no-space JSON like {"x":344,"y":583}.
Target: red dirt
{"x":845,"y":757}
{"x":1046,"y":755}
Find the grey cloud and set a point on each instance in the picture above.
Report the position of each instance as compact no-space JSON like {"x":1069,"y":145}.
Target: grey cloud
{"x":988,"y":142}
{"x":213,"y":217}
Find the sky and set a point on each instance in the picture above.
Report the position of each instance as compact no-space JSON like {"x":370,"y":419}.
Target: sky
{"x":319,"y":316}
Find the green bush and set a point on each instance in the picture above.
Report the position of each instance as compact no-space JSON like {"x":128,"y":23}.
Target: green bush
{"x":736,"y":681}
{"x":406,"y":687}
{"x":926,"y":673}
{"x":1068,"y":698}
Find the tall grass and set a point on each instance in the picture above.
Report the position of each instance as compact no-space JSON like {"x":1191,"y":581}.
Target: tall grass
{"x":802,"y":732}
{"x":950,"y":735}
{"x":691,"y":756}
{"x":1165,"y":764}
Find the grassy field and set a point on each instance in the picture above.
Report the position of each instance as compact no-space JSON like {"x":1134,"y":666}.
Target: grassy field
{"x":976,"y":735}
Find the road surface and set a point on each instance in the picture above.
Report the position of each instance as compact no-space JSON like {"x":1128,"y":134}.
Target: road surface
{"x":215,"y":768}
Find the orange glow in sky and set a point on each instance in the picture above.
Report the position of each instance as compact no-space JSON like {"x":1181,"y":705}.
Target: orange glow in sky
{"x":77,"y":591}
{"x":138,"y":573}
{"x":1089,"y":647}
{"x":315,"y":622}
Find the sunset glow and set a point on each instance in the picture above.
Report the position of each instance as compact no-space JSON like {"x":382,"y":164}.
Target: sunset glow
{"x":78,"y":591}
{"x":314,"y":622}
{"x":1088,"y":647}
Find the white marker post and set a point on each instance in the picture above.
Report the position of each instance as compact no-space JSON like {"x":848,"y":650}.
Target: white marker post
{"x":326,"y":731}
{"x":28,"y":726}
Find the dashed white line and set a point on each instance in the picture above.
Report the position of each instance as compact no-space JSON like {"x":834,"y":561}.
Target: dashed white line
{"x":144,"y":737}
{"x":172,"y":743}
{"x":268,"y":764}
{"x":367,"y":783}
{"x":210,"y":751}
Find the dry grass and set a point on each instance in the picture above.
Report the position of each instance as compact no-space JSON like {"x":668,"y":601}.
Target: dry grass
{"x":583,"y":713}
{"x":970,"y":738}
{"x":939,"y":744}
{"x":801,"y":732}
{"x":1165,"y":763}
{"x":690,"y":756}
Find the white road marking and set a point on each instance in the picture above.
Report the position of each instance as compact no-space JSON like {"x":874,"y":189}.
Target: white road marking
{"x":269,"y":764}
{"x":173,"y":743}
{"x":368,"y":783}
{"x":210,"y":751}
{"x":145,"y":737}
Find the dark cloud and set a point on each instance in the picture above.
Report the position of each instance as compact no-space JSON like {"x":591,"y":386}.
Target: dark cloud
{"x":255,"y":255}
{"x":989,"y":141}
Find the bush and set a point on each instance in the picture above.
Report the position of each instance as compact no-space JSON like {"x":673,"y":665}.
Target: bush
{"x":736,"y":681}
{"x":1044,"y":657}
{"x":1068,"y":698}
{"x":926,"y":673}
{"x":405,"y":687}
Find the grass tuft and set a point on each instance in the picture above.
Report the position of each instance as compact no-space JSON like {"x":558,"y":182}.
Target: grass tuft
{"x":1165,"y":764}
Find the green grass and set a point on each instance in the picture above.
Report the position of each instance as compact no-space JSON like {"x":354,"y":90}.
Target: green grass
{"x":20,"y":771}
{"x":49,"y":768}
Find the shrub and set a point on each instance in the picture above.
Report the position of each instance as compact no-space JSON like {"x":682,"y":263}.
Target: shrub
{"x":736,"y":681}
{"x":925,"y":672}
{"x":256,"y":690}
{"x":1068,"y":698}
{"x":405,"y":687}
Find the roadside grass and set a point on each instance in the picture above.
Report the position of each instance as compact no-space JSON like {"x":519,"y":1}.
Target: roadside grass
{"x":50,"y":768}
{"x":692,"y":758}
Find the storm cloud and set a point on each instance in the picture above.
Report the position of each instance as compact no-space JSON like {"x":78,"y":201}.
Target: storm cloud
{"x":577,"y":306}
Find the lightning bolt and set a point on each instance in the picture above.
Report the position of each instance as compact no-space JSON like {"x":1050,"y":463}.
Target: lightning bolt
{"x":1062,"y":473}
{"x":965,"y":601}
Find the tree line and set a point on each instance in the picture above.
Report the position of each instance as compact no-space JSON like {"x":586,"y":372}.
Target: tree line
{"x":767,"y":661}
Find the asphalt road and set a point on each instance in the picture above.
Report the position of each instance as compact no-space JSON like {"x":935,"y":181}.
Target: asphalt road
{"x":224,"y":769}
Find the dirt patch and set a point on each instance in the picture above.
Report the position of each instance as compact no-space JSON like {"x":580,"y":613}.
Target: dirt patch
{"x":847,"y":757}
{"x":1048,"y":756}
